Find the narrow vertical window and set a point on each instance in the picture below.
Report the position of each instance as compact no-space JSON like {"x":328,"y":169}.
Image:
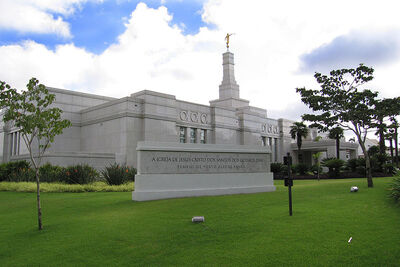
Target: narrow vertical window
{"x":182,"y":135}
{"x":202,"y":136}
{"x":192,"y":135}
{"x":263,"y":140}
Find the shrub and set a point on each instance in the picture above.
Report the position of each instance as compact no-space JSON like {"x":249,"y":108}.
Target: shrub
{"x":24,"y":175}
{"x":373,"y":150}
{"x":395,"y":189}
{"x":300,"y":168}
{"x":79,"y":174}
{"x":11,"y":170}
{"x":285,"y":169}
{"x":117,"y":175}
{"x":276,"y":167}
{"x":315,"y":168}
{"x":361,"y":169}
{"x":334,"y":165}
{"x":50,"y":173}
{"x":389,"y":168}
{"x":352,"y":164}
{"x":378,"y":161}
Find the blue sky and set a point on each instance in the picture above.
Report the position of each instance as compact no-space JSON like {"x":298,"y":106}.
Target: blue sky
{"x":118,"y":47}
{"x":352,"y":48}
{"x":94,"y":26}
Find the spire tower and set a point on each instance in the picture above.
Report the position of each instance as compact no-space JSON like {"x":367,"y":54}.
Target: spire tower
{"x":228,"y":88}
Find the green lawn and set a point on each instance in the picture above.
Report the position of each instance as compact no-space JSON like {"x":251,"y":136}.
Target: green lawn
{"x":102,"y":229}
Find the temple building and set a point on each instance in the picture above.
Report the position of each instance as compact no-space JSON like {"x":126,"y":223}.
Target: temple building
{"x":106,"y":130}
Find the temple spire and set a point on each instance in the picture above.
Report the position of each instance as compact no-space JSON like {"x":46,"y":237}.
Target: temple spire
{"x":228,"y":88}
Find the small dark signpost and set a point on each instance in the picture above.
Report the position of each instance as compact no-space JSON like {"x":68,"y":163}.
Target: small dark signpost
{"x":287,"y":160}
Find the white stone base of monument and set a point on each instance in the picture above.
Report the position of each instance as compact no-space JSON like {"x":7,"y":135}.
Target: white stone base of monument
{"x":161,"y":186}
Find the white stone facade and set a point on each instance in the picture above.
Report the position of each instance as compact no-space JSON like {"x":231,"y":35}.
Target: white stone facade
{"x":106,"y":130}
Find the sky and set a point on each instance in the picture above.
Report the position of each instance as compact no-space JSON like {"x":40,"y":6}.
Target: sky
{"x":119,"y":47}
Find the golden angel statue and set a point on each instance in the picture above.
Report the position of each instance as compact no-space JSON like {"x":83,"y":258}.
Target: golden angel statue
{"x":227,"y":39}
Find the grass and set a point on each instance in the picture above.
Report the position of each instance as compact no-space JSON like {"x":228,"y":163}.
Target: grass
{"x":108,"y":229}
{"x":60,"y":187}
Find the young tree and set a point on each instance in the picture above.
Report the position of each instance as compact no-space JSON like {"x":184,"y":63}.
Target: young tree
{"x":316,"y":157}
{"x":337,"y":134}
{"x":340,"y":103}
{"x":37,"y":121}
{"x":299,"y":130}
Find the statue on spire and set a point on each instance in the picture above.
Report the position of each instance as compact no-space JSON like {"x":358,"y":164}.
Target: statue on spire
{"x":227,"y":39}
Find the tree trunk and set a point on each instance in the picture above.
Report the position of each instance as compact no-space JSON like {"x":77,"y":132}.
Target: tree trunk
{"x":391,"y":150}
{"x":38,"y":200}
{"x":368,"y":170}
{"x":299,"y":157}
{"x":337,"y":148}
{"x":382,"y":146}
{"x":299,"y":143}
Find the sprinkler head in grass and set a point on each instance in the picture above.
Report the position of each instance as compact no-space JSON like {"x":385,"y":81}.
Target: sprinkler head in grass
{"x":354,"y":189}
{"x":198,"y":219}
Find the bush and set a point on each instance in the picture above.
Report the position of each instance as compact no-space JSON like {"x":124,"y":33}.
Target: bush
{"x":277,"y":167}
{"x":334,"y":165}
{"x":395,"y":189}
{"x":315,"y":168}
{"x":51,"y":174}
{"x":352,"y":164}
{"x":285,"y":169}
{"x":389,"y":168}
{"x":79,"y":174}
{"x":11,"y":170}
{"x":378,"y":161}
{"x":300,"y":168}
{"x":24,"y":175}
{"x":117,"y":175}
{"x":373,"y":150}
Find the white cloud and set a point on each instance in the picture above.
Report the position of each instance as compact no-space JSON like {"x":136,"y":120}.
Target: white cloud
{"x":67,"y":65}
{"x":36,"y":16}
{"x":152,"y":54}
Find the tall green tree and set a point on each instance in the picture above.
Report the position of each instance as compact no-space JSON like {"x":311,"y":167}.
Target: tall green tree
{"x":30,"y":111}
{"x":339,"y":102}
{"x":395,"y":126}
{"x":386,"y":111}
{"x":394,"y":104}
{"x":336,"y":133}
{"x":390,"y":136}
{"x":299,"y":131}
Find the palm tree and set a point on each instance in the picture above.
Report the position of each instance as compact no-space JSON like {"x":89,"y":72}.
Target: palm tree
{"x":390,"y":136}
{"x":299,"y":130}
{"x":316,"y":157}
{"x":395,"y":126}
{"x":336,"y":133}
